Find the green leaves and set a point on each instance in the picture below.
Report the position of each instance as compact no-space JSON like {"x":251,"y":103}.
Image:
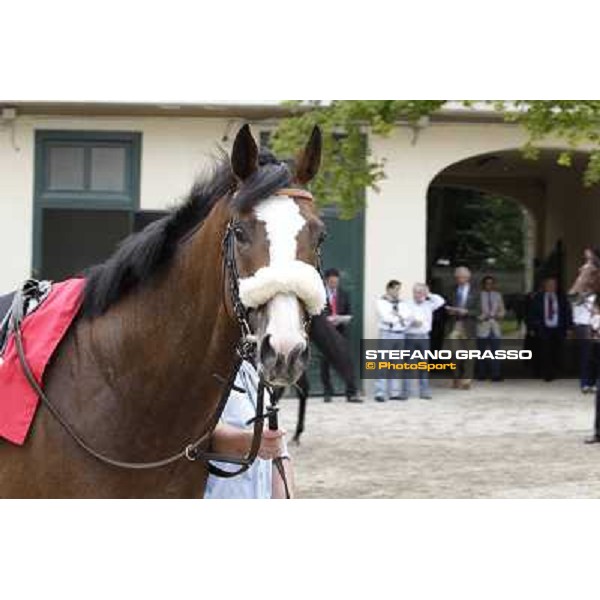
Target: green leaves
{"x":572,"y":123}
{"x":564,"y":159}
{"x":348,"y":168}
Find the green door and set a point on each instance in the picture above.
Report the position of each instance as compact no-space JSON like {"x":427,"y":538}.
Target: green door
{"x":86,"y":191}
{"x":344,"y":250}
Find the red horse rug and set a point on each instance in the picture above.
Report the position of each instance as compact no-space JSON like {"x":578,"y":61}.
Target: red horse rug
{"x":43,"y":330}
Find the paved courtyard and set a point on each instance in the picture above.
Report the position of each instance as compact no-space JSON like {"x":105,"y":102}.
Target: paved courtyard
{"x":514,"y":439}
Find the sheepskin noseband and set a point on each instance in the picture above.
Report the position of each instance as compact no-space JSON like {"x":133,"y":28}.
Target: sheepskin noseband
{"x":295,"y":277}
{"x":284,"y":274}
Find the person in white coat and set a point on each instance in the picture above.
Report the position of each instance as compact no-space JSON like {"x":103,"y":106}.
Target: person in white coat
{"x":421,"y":308}
{"x":233,"y":436}
{"x":393,"y":317}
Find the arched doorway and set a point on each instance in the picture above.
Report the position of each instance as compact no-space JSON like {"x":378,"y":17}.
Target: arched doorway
{"x":489,"y":233}
{"x":559,"y":215}
{"x":486,"y":231}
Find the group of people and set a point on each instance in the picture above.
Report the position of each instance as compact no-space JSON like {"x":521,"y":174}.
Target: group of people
{"x":406,"y":324}
{"x":472,"y":319}
{"x":553,"y":317}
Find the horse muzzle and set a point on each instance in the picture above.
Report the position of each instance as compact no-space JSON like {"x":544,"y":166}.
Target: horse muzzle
{"x":282,"y":368}
{"x":283,"y":348}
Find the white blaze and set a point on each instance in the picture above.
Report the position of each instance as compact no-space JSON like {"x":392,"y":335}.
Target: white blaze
{"x":283,"y":221}
{"x":286,"y":279}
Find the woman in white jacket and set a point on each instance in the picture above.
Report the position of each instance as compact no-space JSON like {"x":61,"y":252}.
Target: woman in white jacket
{"x":422,"y":306}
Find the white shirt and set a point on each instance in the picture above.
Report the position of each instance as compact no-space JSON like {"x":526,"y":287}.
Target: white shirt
{"x":256,"y":482}
{"x":595,"y":325}
{"x":393,"y":316}
{"x":422,"y":313}
{"x":582,"y":311}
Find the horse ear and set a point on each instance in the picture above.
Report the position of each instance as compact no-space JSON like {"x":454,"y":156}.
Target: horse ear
{"x":309,"y":160}
{"x":244,"y":156}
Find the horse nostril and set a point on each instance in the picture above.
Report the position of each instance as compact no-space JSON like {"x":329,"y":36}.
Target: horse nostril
{"x":266,"y":352}
{"x":300,"y":351}
{"x":282,"y":366}
{"x":306,"y":354}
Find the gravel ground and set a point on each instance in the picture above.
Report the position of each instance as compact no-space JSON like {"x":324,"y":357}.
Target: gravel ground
{"x":514,"y":439}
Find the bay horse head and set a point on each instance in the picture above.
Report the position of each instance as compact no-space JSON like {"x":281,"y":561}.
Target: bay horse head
{"x":267,"y":275}
{"x":275,"y":243}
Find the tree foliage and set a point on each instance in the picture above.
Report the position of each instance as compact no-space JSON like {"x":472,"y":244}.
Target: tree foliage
{"x":348,"y":168}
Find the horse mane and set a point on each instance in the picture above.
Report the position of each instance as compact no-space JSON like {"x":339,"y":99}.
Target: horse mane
{"x":141,"y":255}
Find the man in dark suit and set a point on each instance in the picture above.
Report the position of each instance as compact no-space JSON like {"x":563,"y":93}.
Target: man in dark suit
{"x":549,"y":319}
{"x":338,"y":305}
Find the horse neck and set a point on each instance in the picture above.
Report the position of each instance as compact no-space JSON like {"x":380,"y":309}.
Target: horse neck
{"x":158,"y":351}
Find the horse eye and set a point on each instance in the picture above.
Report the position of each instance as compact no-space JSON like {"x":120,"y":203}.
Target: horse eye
{"x":241,"y":235}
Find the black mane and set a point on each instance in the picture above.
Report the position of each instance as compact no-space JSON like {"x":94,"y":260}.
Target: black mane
{"x":139,"y":256}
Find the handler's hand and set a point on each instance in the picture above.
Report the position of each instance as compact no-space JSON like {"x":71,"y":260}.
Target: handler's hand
{"x":271,"y":444}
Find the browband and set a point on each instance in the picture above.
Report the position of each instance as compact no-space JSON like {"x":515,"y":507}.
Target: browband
{"x":295,"y":193}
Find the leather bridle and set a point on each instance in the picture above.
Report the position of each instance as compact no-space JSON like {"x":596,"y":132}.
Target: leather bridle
{"x":245,"y":350}
{"x":247,"y":345}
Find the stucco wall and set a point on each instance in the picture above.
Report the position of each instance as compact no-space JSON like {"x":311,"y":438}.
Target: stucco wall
{"x":173,"y":152}
{"x":16,"y":206}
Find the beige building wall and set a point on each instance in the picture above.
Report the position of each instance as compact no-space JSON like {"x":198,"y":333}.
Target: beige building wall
{"x":16,"y":205}
{"x":174,"y":151}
